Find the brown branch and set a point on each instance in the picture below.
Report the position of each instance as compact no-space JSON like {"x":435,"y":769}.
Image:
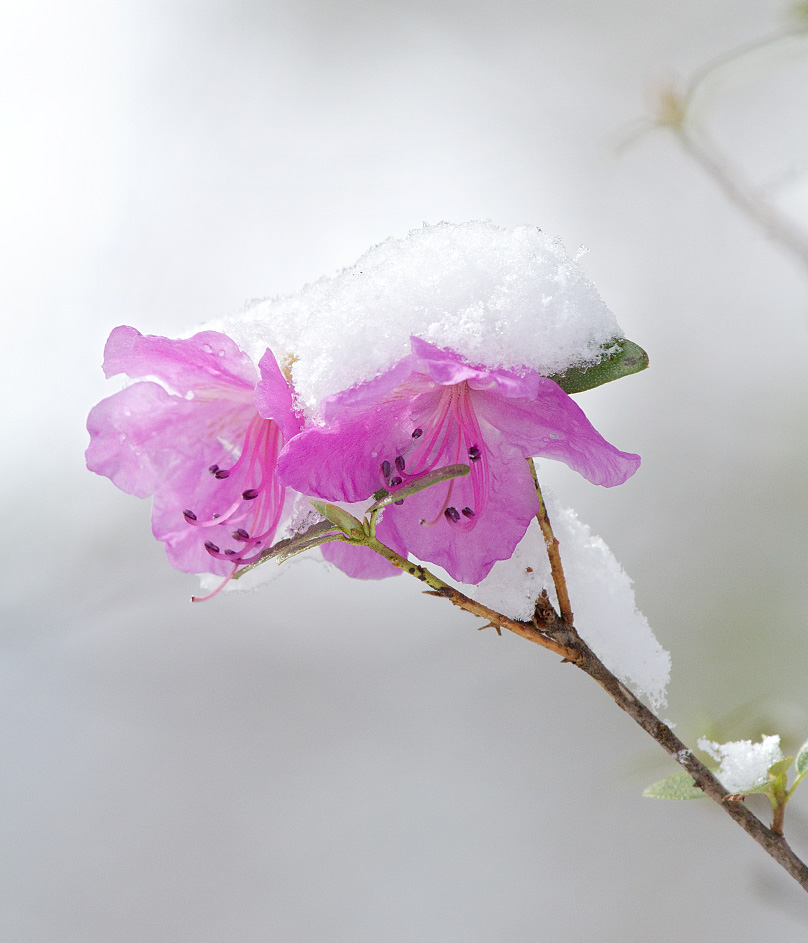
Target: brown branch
{"x":778,"y":819}
{"x":528,"y":630}
{"x":551,"y":543}
{"x":553,"y":632}
{"x":548,"y":627}
{"x":768,"y":838}
{"x":771,"y":839}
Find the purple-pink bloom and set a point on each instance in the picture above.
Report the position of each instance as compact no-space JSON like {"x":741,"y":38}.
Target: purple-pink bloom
{"x":433,"y":409}
{"x":196,"y":441}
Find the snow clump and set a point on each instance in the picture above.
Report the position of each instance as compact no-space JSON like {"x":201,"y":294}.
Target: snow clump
{"x":602,"y":596}
{"x":508,"y":298}
{"x":744,"y":765}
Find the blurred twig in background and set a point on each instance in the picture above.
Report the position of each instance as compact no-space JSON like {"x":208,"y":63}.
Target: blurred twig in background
{"x":675,"y":110}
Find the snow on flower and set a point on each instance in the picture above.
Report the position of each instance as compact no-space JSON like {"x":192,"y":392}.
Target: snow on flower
{"x":506,"y":297}
{"x":744,"y":764}
{"x":434,"y":409}
{"x":194,"y":439}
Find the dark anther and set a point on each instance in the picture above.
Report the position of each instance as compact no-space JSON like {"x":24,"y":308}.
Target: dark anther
{"x":395,"y":481}
{"x":250,"y":493}
{"x":213,"y":469}
{"x":189,"y":515}
{"x":399,"y":502}
{"x":211,"y":547}
{"x":417,"y":433}
{"x":240,"y":534}
{"x":468,"y":512}
{"x":222,"y":473}
{"x":230,"y":553}
{"x":400,"y":462}
{"x":452,"y":514}
{"x":214,"y":516}
{"x":386,"y":469}
{"x":474,"y":453}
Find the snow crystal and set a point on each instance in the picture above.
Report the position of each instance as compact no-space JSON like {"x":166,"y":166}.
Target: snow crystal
{"x":499,"y":297}
{"x":601,"y":596}
{"x":744,"y":764}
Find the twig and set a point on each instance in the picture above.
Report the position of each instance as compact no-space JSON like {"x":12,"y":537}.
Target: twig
{"x":674,"y":111}
{"x":557,"y":634}
{"x":768,"y":838}
{"x":550,"y":541}
{"x":527,"y":630}
{"x":748,"y":198}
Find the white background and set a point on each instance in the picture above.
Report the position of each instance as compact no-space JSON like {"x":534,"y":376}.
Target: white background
{"x":336,"y":761}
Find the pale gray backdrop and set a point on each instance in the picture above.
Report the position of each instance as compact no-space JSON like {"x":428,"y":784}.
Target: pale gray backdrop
{"x":332,"y":761}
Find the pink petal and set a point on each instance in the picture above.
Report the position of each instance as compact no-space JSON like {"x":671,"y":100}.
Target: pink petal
{"x":143,"y":436}
{"x":445,"y":368}
{"x":273,"y":397}
{"x":341,"y":462}
{"x":360,"y":563}
{"x":206,"y":360}
{"x":469,"y":555}
{"x":368,"y":395}
{"x":554,"y":426}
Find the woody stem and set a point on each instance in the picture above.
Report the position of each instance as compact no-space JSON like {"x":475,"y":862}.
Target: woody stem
{"x":551,"y":543}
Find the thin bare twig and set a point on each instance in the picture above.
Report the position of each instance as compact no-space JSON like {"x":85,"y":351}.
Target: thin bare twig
{"x":557,"y":634}
{"x":527,"y":630}
{"x":743,"y":194}
{"x":768,"y":838}
{"x":562,"y":628}
{"x":551,"y":543}
{"x":675,"y":111}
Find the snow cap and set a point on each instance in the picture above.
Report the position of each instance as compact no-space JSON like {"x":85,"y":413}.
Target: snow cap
{"x":508,"y":298}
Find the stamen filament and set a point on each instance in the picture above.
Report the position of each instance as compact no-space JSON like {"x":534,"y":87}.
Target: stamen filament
{"x":450,"y":435}
{"x":259,"y":504}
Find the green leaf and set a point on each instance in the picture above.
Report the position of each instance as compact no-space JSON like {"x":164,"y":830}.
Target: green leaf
{"x":763,"y":788}
{"x":346,"y":522}
{"x":621,"y":358}
{"x":802,"y":760}
{"x":781,"y":767}
{"x":679,"y":786}
{"x":320,"y":532}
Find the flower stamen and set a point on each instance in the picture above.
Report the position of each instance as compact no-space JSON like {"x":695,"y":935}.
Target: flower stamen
{"x":448,"y":435}
{"x":259,"y":505}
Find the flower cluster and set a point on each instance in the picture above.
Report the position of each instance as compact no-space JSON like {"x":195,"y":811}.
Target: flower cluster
{"x":218,"y":441}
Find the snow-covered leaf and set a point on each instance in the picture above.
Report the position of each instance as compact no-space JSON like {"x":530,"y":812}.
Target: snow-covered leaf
{"x":625,"y":359}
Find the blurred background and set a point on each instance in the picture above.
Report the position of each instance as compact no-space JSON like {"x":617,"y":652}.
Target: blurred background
{"x":327,"y":760}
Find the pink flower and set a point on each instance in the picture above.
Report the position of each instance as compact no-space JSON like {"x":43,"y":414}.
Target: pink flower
{"x":433,"y":409}
{"x":196,"y":441}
